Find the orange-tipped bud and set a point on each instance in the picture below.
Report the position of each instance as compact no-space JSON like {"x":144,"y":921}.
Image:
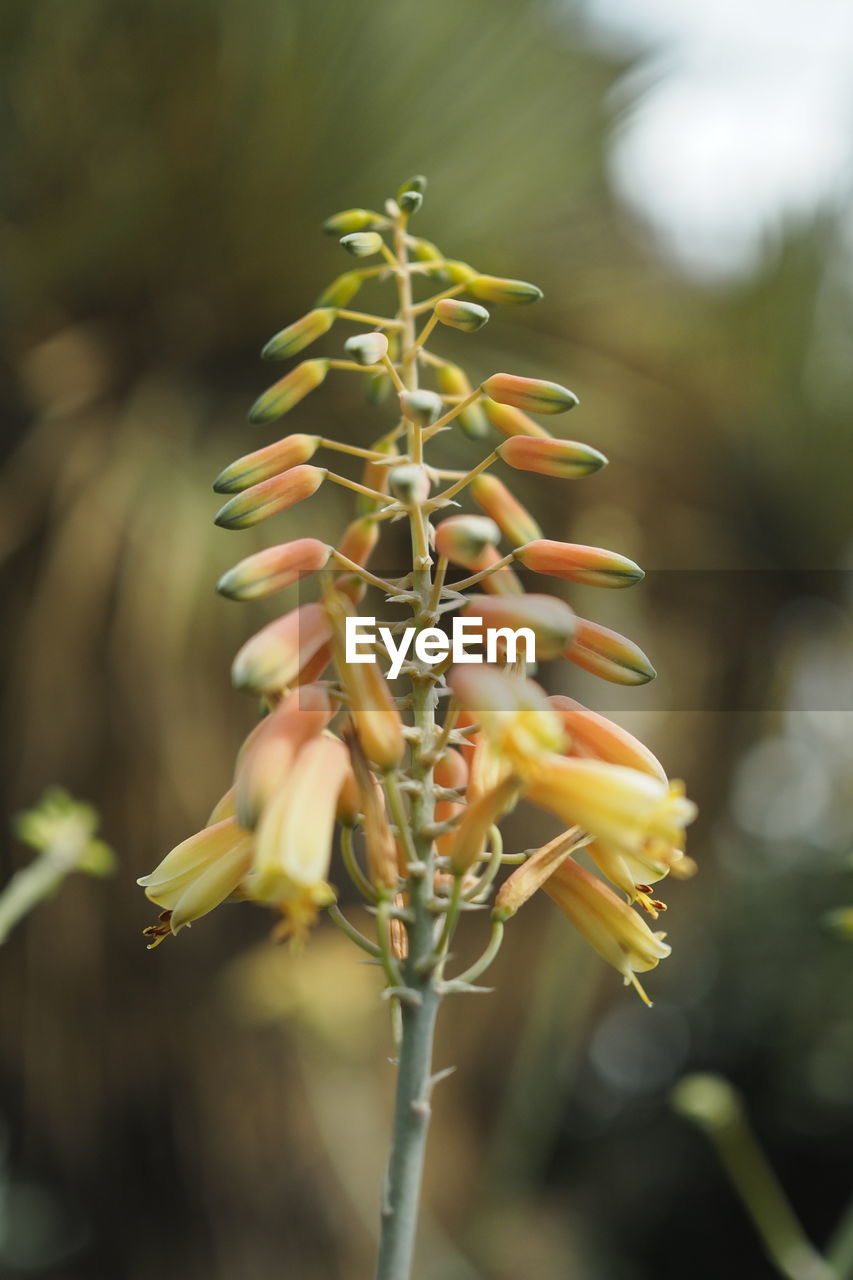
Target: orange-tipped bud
{"x":269,"y":497}
{"x":451,"y":773}
{"x":469,"y":838}
{"x":367,"y":348}
{"x":410,"y":484}
{"x":592,"y":735}
{"x":550,"y":621}
{"x":466,"y":316}
{"x":200,"y":872}
{"x":373,"y":711}
{"x":357,"y":544}
{"x":296,"y":337}
{"x":379,"y":841}
{"x":362,"y":244}
{"x":349,"y":220}
{"x":270,"y":750}
{"x":510,"y":421}
{"x":533,"y":873}
{"x":563,"y":459}
{"x":375,"y":476}
{"x":264,"y":463}
{"x":514,"y":521}
{"x":273,"y":569}
{"x":503,"y":582}
{"x":498,"y":289}
{"x":636,"y":813}
{"x":293,"y":845}
{"x":607,"y":654}
{"x":593,"y":566}
{"x":609,"y":925}
{"x":458,"y":272}
{"x":289,"y":390}
{"x":463,"y":539}
{"x":273,"y":658}
{"x":533,"y":395}
{"x":342,"y":290}
{"x":453,"y":381}
{"x":422,"y":407}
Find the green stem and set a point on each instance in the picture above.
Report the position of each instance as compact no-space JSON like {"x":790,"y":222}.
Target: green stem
{"x":30,"y":886}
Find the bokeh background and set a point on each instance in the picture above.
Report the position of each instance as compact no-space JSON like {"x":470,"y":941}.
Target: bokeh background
{"x":678,"y":178}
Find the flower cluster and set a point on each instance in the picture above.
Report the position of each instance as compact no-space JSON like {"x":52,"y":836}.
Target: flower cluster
{"x":416,"y":782}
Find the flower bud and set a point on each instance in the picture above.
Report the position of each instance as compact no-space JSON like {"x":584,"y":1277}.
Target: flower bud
{"x":514,"y":714}
{"x":497,"y":289}
{"x":458,"y":272}
{"x":269,"y":497}
{"x":451,"y":773}
{"x":263,"y":463}
{"x":592,"y":566}
{"x":362,"y":244}
{"x":349,"y":220}
{"x":273,"y":569}
{"x":357,"y":544}
{"x":424,"y":250}
{"x":593,"y":735}
{"x":503,"y":582}
{"x":563,"y":459}
{"x":375,"y":476}
{"x":533,"y":395}
{"x":418,"y":183}
{"x":511,"y":422}
{"x":267,"y":755}
{"x":200,"y":872}
{"x":514,"y":521}
{"x":551,"y":621}
{"x":273,"y":658}
{"x":466,"y":316}
{"x":410,"y":484}
{"x":372,"y":708}
{"x":342,"y":290}
{"x":422,"y":407}
{"x":463,"y":539}
{"x":297,"y":336}
{"x":380,"y":845}
{"x":367,"y":348}
{"x":289,"y":390}
{"x":469,"y":838}
{"x":410,"y":202}
{"x":453,"y":381}
{"x":533,"y":873}
{"x":607,"y":654}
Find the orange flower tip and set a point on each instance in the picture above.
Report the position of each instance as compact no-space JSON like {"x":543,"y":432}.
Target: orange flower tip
{"x":271,"y":660}
{"x":533,"y":395}
{"x":269,"y":497}
{"x":593,"y":566}
{"x":367,"y":348}
{"x":362,"y":244}
{"x":514,"y":521}
{"x":349,"y":220}
{"x":342,"y":290}
{"x":288,"y":342}
{"x":263,"y":463}
{"x":498,"y":289}
{"x":463,"y":539}
{"x":273,"y":569}
{"x":467,"y":316}
{"x":562,"y":459}
{"x":421,"y":407}
{"x":410,"y":483}
{"x":288,"y":391}
{"x":608,"y":654}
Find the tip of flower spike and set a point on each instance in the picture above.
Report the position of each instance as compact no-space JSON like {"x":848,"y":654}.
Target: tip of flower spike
{"x":410,"y":202}
{"x":422,"y":407}
{"x":362,"y":244}
{"x":417,"y":183}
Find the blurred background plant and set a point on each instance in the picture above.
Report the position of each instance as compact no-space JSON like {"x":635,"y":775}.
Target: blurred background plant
{"x":163,"y":162}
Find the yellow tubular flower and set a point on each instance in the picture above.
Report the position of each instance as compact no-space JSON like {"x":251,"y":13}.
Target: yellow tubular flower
{"x":514,"y":713}
{"x":617,"y":933}
{"x":269,"y":751}
{"x":199,"y":873}
{"x":533,"y":873}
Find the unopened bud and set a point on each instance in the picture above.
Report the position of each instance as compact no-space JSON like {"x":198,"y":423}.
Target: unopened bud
{"x":357,"y":544}
{"x":458,"y":272}
{"x":266,"y":462}
{"x":594,"y":566}
{"x":269,"y":497}
{"x":270,"y":750}
{"x":562,"y":459}
{"x":422,"y":407}
{"x":367,"y":348}
{"x":469,"y":838}
{"x":533,"y":395}
{"x":342,"y":290}
{"x":453,"y":381}
{"x":372,"y":708}
{"x":417,"y":183}
{"x":273,"y":658}
{"x":375,"y":476}
{"x":349,"y":220}
{"x":510,"y":421}
{"x":300,"y":335}
{"x":289,"y":390}
{"x":550,"y":620}
{"x":273,"y":569}
{"x":497,"y":289}
{"x":607,"y":654}
{"x":466,"y":316}
{"x":410,"y":201}
{"x":463,"y":539}
{"x":424,"y":250}
{"x":514,"y":521}
{"x":591,"y":734}
{"x":409,"y":483}
{"x":533,"y":873}
{"x":363,"y":244}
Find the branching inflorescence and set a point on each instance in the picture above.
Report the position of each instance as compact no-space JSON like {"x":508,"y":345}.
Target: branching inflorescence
{"x":417,"y":782}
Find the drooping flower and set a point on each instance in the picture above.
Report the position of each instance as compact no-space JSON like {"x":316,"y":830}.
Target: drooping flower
{"x":197,"y":875}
